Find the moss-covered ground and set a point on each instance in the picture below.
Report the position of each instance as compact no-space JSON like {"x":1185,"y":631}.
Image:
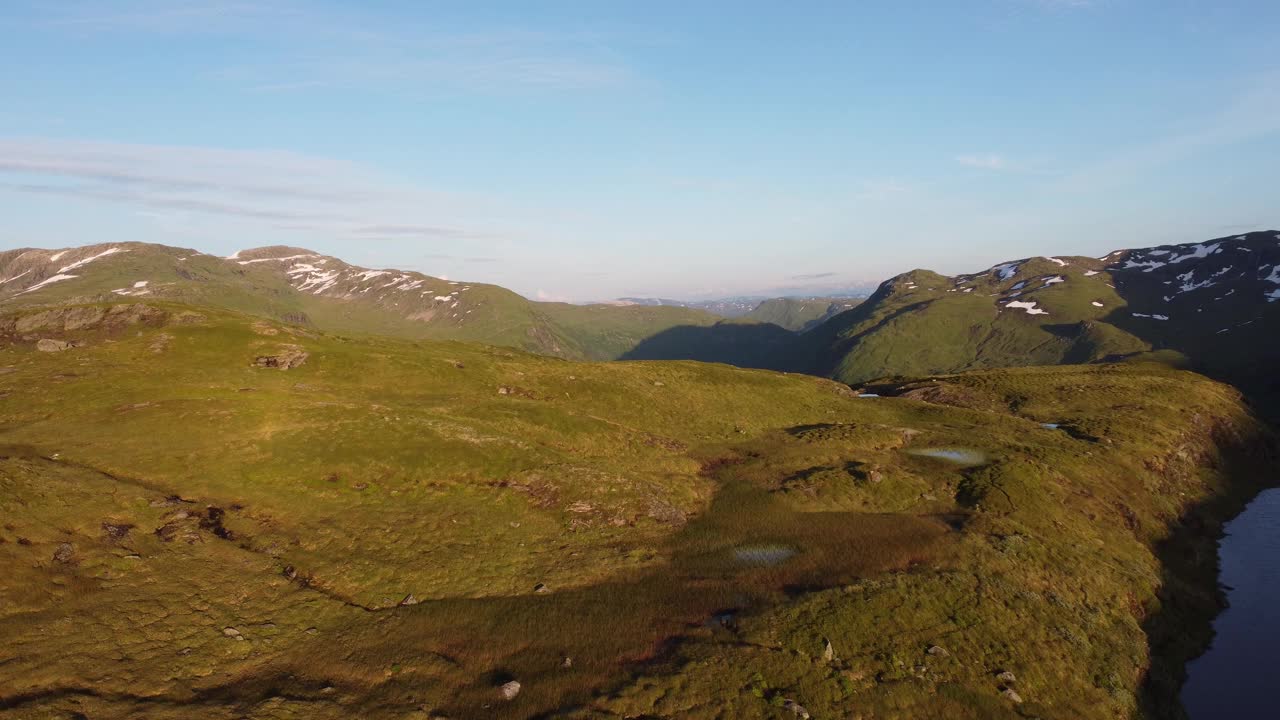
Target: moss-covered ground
{"x":395,"y":529}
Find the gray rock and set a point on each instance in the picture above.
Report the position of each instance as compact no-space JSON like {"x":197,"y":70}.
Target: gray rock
{"x":1011,"y":695}
{"x":231,"y":632}
{"x":50,"y":345}
{"x":66,"y":553}
{"x":409,"y":600}
{"x":938,"y":651}
{"x":1006,"y":677}
{"x":796,"y":708}
{"x":510,"y":690}
{"x":541,"y":588}
{"x":828,"y":651}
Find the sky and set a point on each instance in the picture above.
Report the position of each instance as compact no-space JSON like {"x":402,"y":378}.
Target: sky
{"x":599,"y":149}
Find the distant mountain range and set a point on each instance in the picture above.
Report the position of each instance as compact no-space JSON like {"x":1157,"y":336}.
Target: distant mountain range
{"x":794,"y":313}
{"x":1212,"y":306}
{"x":307,"y":288}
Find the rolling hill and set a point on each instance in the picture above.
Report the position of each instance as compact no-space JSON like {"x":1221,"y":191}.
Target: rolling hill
{"x":323,"y":292}
{"x":799,"y":314}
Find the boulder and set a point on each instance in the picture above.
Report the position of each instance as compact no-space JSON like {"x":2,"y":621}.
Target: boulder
{"x":796,"y":708}
{"x":50,"y":345}
{"x":66,"y":553}
{"x":509,"y":690}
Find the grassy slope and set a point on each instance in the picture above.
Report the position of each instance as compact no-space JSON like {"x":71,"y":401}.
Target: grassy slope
{"x":798,"y":315}
{"x":923,"y":323}
{"x":1208,"y":306}
{"x":465,"y":475}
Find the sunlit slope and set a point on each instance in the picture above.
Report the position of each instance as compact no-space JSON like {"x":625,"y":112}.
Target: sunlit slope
{"x":1213,"y":304}
{"x":393,"y":528}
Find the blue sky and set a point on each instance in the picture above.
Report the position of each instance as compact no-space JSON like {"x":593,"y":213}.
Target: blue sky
{"x":591,"y":150}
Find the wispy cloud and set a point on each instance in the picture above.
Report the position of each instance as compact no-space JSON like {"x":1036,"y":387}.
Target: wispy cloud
{"x":1254,"y":112}
{"x":286,"y":191}
{"x":983,"y":161}
{"x":294,"y":46}
{"x":813,"y":276}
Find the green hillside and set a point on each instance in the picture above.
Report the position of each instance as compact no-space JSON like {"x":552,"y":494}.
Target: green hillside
{"x":1210,"y":306}
{"x":311,"y":290}
{"x":210,"y":514}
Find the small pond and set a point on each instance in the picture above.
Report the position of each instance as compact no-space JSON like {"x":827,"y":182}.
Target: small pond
{"x":967,"y":457}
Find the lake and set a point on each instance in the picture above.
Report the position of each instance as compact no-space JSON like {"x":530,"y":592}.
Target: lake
{"x":1238,"y":676}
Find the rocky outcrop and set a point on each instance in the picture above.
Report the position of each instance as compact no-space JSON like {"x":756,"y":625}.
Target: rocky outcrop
{"x":286,"y":357}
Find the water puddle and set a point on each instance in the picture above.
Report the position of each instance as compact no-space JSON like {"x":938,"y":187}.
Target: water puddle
{"x":966,"y":457}
{"x":763,"y":554}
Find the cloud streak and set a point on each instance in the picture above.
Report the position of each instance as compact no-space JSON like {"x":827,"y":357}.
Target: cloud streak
{"x":288,"y":191}
{"x":294,"y":44}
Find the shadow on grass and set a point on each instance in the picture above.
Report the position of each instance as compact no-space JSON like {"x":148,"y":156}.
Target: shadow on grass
{"x":750,"y":345}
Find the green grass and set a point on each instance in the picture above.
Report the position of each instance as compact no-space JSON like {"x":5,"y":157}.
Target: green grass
{"x":465,"y":475}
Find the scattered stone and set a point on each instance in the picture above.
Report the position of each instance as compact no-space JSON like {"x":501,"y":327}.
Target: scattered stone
{"x":828,"y":651}
{"x":510,"y":690}
{"x":49,"y":345}
{"x":116,"y":531}
{"x":66,"y":553}
{"x":659,"y":383}
{"x":231,"y":632}
{"x":541,"y":588}
{"x":287,"y":357}
{"x":1011,"y":695}
{"x":796,"y":708}
{"x":938,"y":651}
{"x":567,"y":662}
{"x":409,"y":600}
{"x":504,"y":390}
{"x":1006,"y":677}
{"x":311,"y":631}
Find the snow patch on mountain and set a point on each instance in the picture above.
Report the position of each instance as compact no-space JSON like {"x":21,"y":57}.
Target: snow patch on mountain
{"x":1005,"y":271}
{"x":48,"y":281}
{"x":86,"y":261}
{"x":1029,"y":306}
